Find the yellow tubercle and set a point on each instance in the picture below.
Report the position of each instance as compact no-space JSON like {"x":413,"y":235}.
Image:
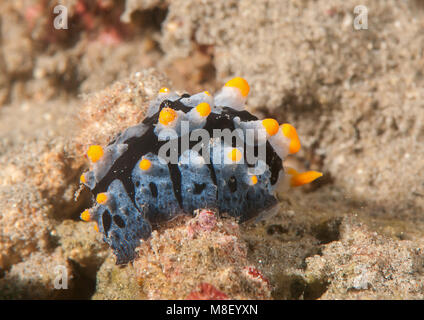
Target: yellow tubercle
{"x":145,"y":164}
{"x":234,"y":155}
{"x":271,"y":126}
{"x":254,"y":180}
{"x":85,"y":215}
{"x":164,"y":90}
{"x":290,"y":132}
{"x":82,"y":178}
{"x":204,"y":109}
{"x":167,"y":115}
{"x":299,"y":179}
{"x":240,"y":84}
{"x":294,"y":146}
{"x":101,"y":198}
{"x":95,"y":152}
{"x":207,"y":93}
{"x":96,"y":227}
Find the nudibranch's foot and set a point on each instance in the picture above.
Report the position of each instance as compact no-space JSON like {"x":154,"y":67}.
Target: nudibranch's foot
{"x":137,"y":185}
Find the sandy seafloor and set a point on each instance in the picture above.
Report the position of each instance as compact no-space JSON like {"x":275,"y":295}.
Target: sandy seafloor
{"x":356,"y":98}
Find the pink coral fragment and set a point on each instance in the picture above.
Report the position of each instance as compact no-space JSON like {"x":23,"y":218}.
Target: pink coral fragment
{"x":206,"y":291}
{"x":205,"y":221}
{"x":254,"y":273}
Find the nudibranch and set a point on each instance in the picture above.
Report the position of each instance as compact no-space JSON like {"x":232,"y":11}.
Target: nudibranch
{"x":190,"y":152}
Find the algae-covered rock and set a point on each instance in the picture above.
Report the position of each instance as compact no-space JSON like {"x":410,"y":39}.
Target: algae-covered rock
{"x":365,"y":265}
{"x":82,"y":244}
{"x":196,"y":258}
{"x":41,"y":276}
{"x":117,"y":283}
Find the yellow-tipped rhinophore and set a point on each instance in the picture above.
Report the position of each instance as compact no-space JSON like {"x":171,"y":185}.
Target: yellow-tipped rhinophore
{"x":167,"y":115}
{"x":145,"y":164}
{"x":240,"y":84}
{"x":299,"y":179}
{"x":204,"y":109}
{"x":271,"y":126}
{"x":101,"y":198}
{"x":96,"y":227}
{"x":254,"y":180}
{"x":290,"y":132}
{"x":85,"y":215}
{"x":95,"y":152}
{"x":164,"y":90}
{"x":234,"y":155}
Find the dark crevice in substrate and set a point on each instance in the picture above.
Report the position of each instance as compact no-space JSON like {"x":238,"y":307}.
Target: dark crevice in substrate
{"x":327,"y":231}
{"x":149,"y":20}
{"x":293,"y":287}
{"x":276,"y":229}
{"x":288,"y":287}
{"x":315,"y":289}
{"x":84,"y":281}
